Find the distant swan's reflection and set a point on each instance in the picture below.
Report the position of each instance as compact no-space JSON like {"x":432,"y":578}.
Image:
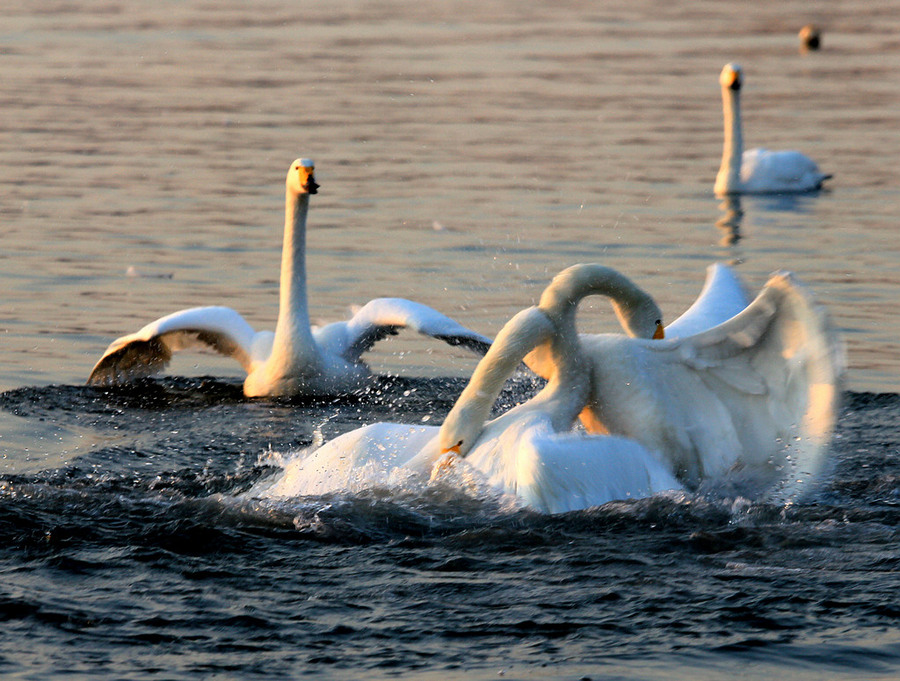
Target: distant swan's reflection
{"x":730,"y":222}
{"x":733,"y":212}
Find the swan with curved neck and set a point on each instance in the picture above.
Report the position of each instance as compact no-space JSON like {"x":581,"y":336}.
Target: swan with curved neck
{"x":564,"y":365}
{"x":729,"y":385}
{"x":757,"y":171}
{"x":529,"y":451}
{"x":295,"y":360}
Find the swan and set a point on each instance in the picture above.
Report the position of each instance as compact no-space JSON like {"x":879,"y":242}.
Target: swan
{"x":810,"y":38}
{"x":530,"y":451}
{"x":295,"y":360}
{"x":757,"y":171}
{"x":718,"y":391}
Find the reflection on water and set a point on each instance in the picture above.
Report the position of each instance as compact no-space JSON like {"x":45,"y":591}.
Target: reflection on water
{"x":732,"y":211}
{"x":730,"y":222}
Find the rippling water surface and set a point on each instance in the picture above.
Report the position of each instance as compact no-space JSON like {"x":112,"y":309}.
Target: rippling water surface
{"x":466,"y":154}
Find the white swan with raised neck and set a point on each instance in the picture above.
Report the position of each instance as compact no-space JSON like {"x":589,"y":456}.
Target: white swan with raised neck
{"x":729,"y":385}
{"x":757,"y":171}
{"x":296,"y":359}
{"x":531,"y":451}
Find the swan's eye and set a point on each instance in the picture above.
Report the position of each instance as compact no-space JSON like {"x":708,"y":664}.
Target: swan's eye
{"x":459,"y":444}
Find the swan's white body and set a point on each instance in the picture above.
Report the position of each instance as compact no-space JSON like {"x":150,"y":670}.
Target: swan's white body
{"x":731,"y":393}
{"x":530,"y":451}
{"x":758,"y":171}
{"x":295,"y":360}
{"x":729,"y":389}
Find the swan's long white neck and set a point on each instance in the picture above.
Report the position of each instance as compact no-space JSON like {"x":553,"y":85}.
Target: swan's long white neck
{"x":294,"y":344}
{"x":636,"y":310}
{"x":518,"y":337}
{"x":729,"y":177}
{"x":550,"y":330}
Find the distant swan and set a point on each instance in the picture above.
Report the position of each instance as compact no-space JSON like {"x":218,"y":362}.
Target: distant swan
{"x":810,"y":38}
{"x":295,"y":360}
{"x":757,"y":171}
{"x":529,"y":451}
{"x":716,"y":393}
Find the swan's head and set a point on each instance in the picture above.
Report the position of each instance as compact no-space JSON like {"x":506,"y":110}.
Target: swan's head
{"x":460,"y":429}
{"x":641,"y":317}
{"x":731,"y":76}
{"x":301,"y":177}
{"x":810,"y":37}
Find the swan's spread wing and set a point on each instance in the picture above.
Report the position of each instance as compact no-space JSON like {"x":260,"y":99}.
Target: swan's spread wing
{"x":764,"y":171}
{"x":149,"y":350}
{"x":736,"y":393}
{"x":385,"y":316}
{"x":723,"y":296}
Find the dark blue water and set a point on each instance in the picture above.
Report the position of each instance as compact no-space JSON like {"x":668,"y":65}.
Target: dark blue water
{"x":140,"y":559}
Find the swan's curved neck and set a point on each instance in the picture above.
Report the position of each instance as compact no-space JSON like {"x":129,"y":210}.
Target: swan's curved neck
{"x":518,"y":337}
{"x":550,"y":331}
{"x":293,"y":342}
{"x":729,"y":177}
{"x":633,"y":306}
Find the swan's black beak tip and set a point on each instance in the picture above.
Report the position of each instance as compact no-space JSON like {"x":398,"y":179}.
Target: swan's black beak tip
{"x":312,"y":186}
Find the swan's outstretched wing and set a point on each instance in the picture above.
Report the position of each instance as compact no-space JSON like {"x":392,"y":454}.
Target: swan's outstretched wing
{"x":149,"y":350}
{"x":723,"y":296}
{"x":385,"y":316}
{"x":737,"y":394}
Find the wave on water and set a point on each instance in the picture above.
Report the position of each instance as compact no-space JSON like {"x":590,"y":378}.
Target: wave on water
{"x":164,"y":427}
{"x":148,"y":540}
{"x":189,"y":451}
{"x":175,"y":466}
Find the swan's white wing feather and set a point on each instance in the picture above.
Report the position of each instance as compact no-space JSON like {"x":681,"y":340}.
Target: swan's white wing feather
{"x":765,"y":171}
{"x":385,"y":316}
{"x":149,"y":350}
{"x":734,"y":392}
{"x":723,"y":296}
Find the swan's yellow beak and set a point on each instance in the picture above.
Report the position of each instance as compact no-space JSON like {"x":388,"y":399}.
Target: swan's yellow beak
{"x":454,"y":449}
{"x":660,"y":332}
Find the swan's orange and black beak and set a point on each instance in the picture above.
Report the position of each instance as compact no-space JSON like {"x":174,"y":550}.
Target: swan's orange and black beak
{"x":660,"y":332}
{"x":454,"y":448}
